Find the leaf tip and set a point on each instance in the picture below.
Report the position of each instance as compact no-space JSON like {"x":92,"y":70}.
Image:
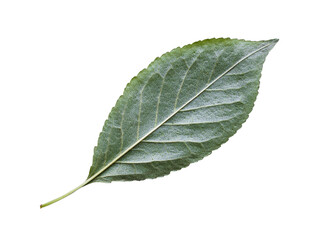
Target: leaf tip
{"x":40,"y":206}
{"x":274,"y":40}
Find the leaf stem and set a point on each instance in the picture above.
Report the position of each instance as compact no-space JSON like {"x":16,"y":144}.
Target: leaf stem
{"x":63,"y":196}
{"x":75,"y":189}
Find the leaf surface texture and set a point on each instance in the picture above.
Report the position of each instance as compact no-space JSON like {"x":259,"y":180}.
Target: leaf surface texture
{"x":179,"y":109}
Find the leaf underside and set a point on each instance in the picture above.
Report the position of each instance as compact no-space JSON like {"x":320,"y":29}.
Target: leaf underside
{"x":179,"y":109}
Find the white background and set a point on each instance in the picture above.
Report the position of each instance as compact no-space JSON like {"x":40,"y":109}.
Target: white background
{"x":63,"y":64}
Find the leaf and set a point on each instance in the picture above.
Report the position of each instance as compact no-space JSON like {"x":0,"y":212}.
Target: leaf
{"x":179,"y":109}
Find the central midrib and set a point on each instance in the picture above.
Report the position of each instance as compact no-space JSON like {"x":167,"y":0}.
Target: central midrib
{"x":174,"y":113}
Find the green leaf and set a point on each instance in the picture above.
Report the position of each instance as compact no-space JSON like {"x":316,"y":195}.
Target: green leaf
{"x":179,"y":109}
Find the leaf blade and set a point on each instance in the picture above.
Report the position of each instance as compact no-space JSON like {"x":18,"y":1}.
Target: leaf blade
{"x":188,"y":69}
